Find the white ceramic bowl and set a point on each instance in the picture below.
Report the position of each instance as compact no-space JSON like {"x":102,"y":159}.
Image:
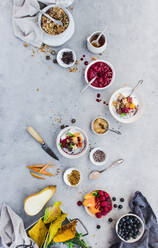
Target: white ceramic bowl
{"x":125,"y":91}
{"x":72,"y":129}
{"x":65,"y":176}
{"x":96,"y":50}
{"x":59,"y":57}
{"x":131,"y":240}
{"x":92,"y":159}
{"x":60,"y":39}
{"x":113,"y":71}
{"x":99,"y":134}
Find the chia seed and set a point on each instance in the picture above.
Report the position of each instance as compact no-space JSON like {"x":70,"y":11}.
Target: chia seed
{"x":99,"y":156}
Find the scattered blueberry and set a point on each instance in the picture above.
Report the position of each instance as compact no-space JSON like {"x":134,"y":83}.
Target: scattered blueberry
{"x":115,"y":205}
{"x":122,"y":199}
{"x":120,"y":206}
{"x":98,"y":226}
{"x":114,"y":198}
{"x":55,"y":61}
{"x":110,"y":220}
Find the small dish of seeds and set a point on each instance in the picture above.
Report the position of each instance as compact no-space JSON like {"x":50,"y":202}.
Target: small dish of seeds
{"x":72,"y":177}
{"x":66,"y":57}
{"x":98,"y":156}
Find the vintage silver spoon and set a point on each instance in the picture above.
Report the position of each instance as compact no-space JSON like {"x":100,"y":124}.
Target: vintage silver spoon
{"x":139,"y":83}
{"x":84,"y":89}
{"x":96,"y":174}
{"x":114,"y":131}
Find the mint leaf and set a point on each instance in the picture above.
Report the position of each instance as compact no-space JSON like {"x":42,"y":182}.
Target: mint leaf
{"x":60,"y":144}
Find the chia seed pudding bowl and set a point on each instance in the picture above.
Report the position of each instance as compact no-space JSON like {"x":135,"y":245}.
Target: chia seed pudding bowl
{"x":98,"y":156}
{"x":104,"y":73}
{"x":72,"y":142}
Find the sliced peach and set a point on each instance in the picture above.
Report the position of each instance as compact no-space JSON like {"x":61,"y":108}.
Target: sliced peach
{"x":93,"y":210}
{"x":89,"y":202}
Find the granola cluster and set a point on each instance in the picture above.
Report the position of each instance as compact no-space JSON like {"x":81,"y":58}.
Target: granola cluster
{"x":50,"y":27}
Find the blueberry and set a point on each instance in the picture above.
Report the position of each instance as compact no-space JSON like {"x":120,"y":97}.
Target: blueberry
{"x":110,"y":220}
{"x":120,"y":206}
{"x":98,"y":226}
{"x":115,"y":205}
{"x":114,"y":198}
{"x":122,"y":199}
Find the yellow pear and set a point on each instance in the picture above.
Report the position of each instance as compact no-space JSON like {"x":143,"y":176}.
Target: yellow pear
{"x":33,"y":204}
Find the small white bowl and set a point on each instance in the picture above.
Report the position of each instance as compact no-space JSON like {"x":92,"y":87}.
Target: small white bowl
{"x":93,"y":49}
{"x":131,"y":240}
{"x":72,"y":129}
{"x":65,"y":177}
{"x":126,"y":120}
{"x":113,"y":76}
{"x":99,"y":134}
{"x":92,"y":159}
{"x":59,"y":57}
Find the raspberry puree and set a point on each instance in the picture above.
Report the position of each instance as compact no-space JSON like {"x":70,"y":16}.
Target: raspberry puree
{"x":103,"y":72}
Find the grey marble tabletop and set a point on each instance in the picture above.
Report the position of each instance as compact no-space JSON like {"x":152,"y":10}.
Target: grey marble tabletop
{"x":34,"y":91}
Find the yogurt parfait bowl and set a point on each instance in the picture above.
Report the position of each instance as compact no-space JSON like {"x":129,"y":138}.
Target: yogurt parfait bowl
{"x":124,"y":107}
{"x":104,"y":73}
{"x":72,"y":142}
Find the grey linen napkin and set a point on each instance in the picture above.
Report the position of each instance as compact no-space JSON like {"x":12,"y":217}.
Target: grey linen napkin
{"x":140,"y":206}
{"x":25,"y":19}
{"x":12,"y":231}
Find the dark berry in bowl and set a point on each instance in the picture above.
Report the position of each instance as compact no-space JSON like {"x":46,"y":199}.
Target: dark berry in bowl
{"x":103,"y":71}
{"x":130,"y":228}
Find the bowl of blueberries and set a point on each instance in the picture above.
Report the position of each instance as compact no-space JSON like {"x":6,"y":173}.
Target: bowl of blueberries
{"x":130,"y":228}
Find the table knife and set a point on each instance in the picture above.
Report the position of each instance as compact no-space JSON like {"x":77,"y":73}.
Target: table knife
{"x":40,"y":140}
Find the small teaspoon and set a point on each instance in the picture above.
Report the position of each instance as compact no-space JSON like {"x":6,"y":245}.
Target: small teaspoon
{"x":96,"y":174}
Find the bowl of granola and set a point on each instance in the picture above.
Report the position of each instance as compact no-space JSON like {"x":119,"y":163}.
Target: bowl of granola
{"x":53,"y":33}
{"x":124,"y":107}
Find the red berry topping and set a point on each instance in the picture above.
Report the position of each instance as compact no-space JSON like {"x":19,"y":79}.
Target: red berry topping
{"x":102,"y":198}
{"x":98,"y":215}
{"x":86,"y":62}
{"x":79,"y":203}
{"x":98,"y":95}
{"x":81,"y":59}
{"x":103,"y":204}
{"x":104,"y":213}
{"x":101,"y":192}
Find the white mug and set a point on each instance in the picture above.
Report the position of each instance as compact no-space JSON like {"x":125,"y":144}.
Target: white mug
{"x":93,"y":49}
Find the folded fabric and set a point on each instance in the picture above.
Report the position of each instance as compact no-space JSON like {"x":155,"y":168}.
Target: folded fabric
{"x":12,"y":231}
{"x":25,"y":19}
{"x":140,"y":206}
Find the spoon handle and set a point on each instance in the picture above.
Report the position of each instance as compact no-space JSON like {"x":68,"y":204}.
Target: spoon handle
{"x":115,"y":131}
{"x":84,"y":89}
{"x":139,"y":83}
{"x":101,"y":33}
{"x":119,"y":161}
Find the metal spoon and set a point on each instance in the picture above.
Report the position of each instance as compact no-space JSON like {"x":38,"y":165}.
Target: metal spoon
{"x":97,"y":40}
{"x":96,"y":174}
{"x":115,"y":131}
{"x":84,"y":89}
{"x":139,"y":83}
{"x":48,"y":16}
